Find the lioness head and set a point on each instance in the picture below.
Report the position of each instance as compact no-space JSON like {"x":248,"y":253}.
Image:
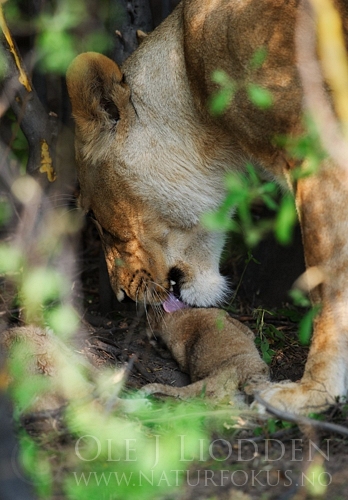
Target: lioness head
{"x":137,"y":168}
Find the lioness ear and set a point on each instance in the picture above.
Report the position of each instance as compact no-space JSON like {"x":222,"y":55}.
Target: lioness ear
{"x":97,"y":93}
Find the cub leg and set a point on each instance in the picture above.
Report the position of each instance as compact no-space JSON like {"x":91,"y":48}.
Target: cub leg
{"x":189,"y":391}
{"x":322,"y":202}
{"x":215,"y":387}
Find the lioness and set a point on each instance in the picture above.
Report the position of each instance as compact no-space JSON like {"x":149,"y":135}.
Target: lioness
{"x":151,"y":160}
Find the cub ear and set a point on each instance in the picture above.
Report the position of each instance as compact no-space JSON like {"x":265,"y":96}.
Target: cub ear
{"x":97,"y":92}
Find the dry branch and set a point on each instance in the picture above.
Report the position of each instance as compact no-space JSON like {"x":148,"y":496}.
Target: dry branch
{"x":39,"y":127}
{"x":137,"y":17}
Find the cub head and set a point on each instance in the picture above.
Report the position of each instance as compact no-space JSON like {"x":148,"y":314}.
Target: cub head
{"x":144,"y":201}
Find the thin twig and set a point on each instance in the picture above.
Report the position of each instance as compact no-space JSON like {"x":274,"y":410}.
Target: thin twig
{"x":301,"y":420}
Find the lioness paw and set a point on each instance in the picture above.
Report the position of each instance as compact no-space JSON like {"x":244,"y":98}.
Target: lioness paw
{"x":294,"y":397}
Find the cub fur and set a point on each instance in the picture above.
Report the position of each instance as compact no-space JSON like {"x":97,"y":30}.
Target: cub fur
{"x":217,"y":351}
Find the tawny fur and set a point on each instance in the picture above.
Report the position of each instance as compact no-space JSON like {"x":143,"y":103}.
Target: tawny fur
{"x":150,"y":170}
{"x":215,"y":350}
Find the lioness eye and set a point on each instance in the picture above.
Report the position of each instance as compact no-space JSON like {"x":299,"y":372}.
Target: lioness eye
{"x":113,"y":236}
{"x":90,"y":215}
{"x":104,"y":232}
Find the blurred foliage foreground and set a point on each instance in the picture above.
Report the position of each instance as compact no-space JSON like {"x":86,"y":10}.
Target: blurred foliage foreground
{"x":116,"y":448}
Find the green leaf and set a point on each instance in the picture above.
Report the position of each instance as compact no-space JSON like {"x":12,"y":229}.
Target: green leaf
{"x":63,"y":320}
{"x":317,"y":480}
{"x":262,"y":98}
{"x":222,"y":98}
{"x":258,"y":431}
{"x":5,"y":211}
{"x":3,"y":63}
{"x":253,"y":177}
{"x":251,"y":258}
{"x":57,"y":51}
{"x":221,"y":78}
{"x":258,"y":58}
{"x":220,"y":101}
{"x":40,"y":286}
{"x":274,"y":332}
{"x":299,"y":297}
{"x":11,"y":259}
{"x":286,"y":220}
{"x":306,"y":325}
{"x":36,"y":463}
{"x":269,"y":202}
{"x":292,"y":314}
{"x":267,"y":358}
{"x":270,"y":187}
{"x":217,"y":221}
{"x":272,"y":425}
{"x":97,"y":42}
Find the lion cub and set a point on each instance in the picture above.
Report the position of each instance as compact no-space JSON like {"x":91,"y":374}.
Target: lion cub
{"x":216,"y":351}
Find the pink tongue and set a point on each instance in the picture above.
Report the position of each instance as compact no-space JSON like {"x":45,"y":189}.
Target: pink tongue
{"x":173,"y":304}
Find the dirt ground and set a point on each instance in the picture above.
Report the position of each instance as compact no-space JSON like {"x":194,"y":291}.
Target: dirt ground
{"x":276,"y":462}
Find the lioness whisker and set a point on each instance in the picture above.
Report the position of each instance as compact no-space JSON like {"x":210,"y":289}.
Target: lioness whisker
{"x":147,"y":318}
{"x":159,"y":286}
{"x":136,"y":299}
{"x":154,"y":308}
{"x":159,"y":314}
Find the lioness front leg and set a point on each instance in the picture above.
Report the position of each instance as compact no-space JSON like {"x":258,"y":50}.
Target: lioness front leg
{"x":322,"y":204}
